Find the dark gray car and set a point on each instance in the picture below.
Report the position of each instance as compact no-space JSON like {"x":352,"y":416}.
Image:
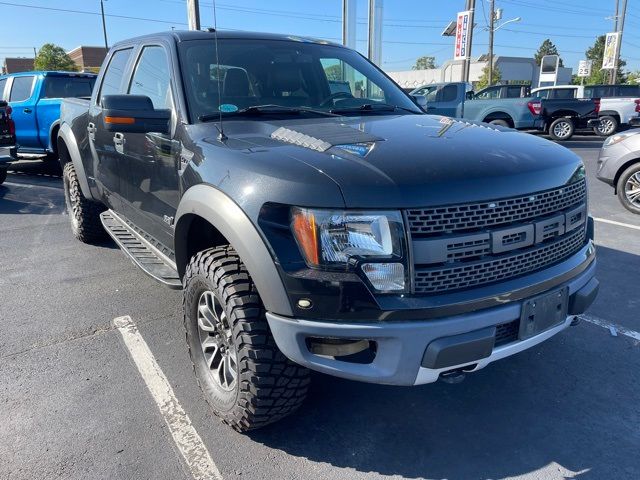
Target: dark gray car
{"x":619,"y":166}
{"x":310,"y":226}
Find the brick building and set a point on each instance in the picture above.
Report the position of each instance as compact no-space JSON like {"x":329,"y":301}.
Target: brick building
{"x":88,"y":58}
{"x":15,"y":65}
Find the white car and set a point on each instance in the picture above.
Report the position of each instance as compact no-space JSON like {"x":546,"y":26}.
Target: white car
{"x":619,"y":104}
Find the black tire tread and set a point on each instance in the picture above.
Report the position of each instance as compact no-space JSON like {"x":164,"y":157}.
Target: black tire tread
{"x":87,"y":213}
{"x":270,"y":386}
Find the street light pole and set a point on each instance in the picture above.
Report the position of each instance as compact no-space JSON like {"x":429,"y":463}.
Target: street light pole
{"x":104,"y":25}
{"x":492,"y":19}
{"x":621,"y":23}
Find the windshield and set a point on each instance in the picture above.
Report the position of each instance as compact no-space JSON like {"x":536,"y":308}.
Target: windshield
{"x":290,"y":74}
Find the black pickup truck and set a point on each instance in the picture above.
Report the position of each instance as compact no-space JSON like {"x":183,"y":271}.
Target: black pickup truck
{"x":563,"y":116}
{"x":7,"y":139}
{"x":343,"y":230}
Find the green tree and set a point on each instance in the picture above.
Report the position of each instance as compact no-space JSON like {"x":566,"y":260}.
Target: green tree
{"x":483,"y":81}
{"x":633,"y":77}
{"x":424,"y":63}
{"x":53,"y":57}
{"x":333,"y":72}
{"x":596,"y":53}
{"x":546,"y":48}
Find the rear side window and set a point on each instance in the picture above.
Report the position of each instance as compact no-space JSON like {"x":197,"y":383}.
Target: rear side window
{"x":3,"y":83}
{"x":21,"y":88}
{"x":448,"y":93}
{"x":628,"y":91}
{"x":514,"y":92}
{"x":544,"y":94}
{"x":151,"y":77}
{"x":65,"y":87}
{"x":112,"y":80}
{"x":564,"y":93}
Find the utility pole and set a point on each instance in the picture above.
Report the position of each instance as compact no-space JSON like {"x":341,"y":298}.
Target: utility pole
{"x":492,"y":19}
{"x":471,"y":6}
{"x":621,"y":24}
{"x":104,"y":25}
{"x":193,"y":11}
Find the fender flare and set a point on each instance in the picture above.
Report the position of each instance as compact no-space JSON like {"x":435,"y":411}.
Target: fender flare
{"x":66,"y":135}
{"x":232,"y":222}
{"x":52,"y":147}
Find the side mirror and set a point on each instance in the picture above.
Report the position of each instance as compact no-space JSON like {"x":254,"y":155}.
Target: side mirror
{"x":420,"y":100}
{"x":133,"y":114}
{"x":469,"y":95}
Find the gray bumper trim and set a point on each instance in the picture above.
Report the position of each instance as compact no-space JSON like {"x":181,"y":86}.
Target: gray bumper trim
{"x":401,"y":345}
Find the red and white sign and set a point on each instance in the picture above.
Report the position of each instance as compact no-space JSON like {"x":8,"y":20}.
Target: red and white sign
{"x":462,"y":36}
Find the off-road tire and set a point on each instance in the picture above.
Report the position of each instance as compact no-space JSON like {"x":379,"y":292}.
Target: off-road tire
{"x":84,"y":214}
{"x":269,"y":386}
{"x":611,"y":124}
{"x":633,"y":170}
{"x":3,"y":175}
{"x":569,"y":129}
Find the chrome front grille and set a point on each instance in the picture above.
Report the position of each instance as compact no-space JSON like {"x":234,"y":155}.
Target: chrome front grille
{"x":469,"y":216}
{"x":470,"y":245}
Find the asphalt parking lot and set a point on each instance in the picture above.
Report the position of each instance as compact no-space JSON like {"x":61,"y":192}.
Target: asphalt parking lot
{"x":73,"y":404}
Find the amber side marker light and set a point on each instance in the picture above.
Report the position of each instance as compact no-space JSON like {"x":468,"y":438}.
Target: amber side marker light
{"x":120,"y":120}
{"x":304,"y":228}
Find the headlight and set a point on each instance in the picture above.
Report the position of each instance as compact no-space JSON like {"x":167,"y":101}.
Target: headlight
{"x":617,"y":138}
{"x":372,"y":240}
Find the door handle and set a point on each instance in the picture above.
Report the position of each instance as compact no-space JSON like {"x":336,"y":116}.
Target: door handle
{"x":119,"y":141}
{"x":91,"y":129}
{"x":27,"y":110}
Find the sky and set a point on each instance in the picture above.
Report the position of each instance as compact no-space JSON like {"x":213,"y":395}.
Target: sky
{"x":412,"y":28}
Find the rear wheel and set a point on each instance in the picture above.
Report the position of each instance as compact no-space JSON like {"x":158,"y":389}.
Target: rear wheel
{"x":500,"y":122}
{"x":245,"y":378}
{"x":561,"y":129}
{"x":84,"y":214}
{"x":628,"y":188}
{"x":608,"y":126}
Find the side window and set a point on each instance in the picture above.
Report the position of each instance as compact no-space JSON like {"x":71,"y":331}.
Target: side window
{"x":448,"y":93}
{"x":112,"y":80}
{"x":151,"y":77}
{"x":21,"y":88}
{"x":543,"y":94}
{"x":565,"y":93}
{"x":3,"y":83}
{"x":488,"y":93}
{"x":514,"y":92}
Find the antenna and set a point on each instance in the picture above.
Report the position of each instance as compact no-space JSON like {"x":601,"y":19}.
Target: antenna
{"x":221,"y":136}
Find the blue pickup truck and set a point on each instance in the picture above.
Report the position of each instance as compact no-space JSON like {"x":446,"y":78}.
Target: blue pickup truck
{"x":35,"y":99}
{"x":457,"y":100}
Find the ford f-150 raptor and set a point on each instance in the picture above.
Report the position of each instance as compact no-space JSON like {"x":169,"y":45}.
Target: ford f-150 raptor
{"x":339,"y":230}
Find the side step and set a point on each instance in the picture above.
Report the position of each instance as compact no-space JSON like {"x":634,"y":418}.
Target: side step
{"x":155,"y":264}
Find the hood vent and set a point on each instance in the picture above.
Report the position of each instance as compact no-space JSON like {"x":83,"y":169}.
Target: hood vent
{"x":321,"y":137}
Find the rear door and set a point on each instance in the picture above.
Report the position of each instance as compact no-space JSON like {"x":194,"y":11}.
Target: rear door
{"x":21,"y":99}
{"x":106,"y":148}
{"x":447,"y":100}
{"x":151,"y":160}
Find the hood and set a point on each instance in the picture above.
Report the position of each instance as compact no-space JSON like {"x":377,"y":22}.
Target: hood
{"x":401,"y":161}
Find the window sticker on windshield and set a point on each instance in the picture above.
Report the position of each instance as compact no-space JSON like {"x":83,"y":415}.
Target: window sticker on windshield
{"x":228,"y":107}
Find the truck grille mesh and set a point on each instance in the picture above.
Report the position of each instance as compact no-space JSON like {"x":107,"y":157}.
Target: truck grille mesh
{"x":455,"y":218}
{"x":464,"y":275}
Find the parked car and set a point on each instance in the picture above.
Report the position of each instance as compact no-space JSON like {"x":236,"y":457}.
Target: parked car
{"x":619,"y":104}
{"x":619,"y":166}
{"x":35,"y":98}
{"x":562,"y":117}
{"x":503,"y":91}
{"x":457,"y":100}
{"x":7,"y":139}
{"x":344,"y":232}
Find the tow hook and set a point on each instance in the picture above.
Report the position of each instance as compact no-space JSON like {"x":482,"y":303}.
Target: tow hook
{"x":453,"y":376}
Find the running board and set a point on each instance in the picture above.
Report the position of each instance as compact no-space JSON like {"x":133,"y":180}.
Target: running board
{"x":142,"y":253}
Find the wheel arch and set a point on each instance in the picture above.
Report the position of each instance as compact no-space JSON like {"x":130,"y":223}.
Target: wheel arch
{"x":68,"y":151}
{"x":621,"y":170}
{"x":499,"y":115}
{"x":206,"y":218}
{"x":53,"y":136}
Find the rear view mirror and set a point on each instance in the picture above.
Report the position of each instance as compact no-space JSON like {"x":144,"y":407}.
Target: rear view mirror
{"x":420,"y":100}
{"x":133,"y":114}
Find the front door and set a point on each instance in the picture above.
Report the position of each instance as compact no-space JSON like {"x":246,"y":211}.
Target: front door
{"x":24,"y":111}
{"x":152,"y":159}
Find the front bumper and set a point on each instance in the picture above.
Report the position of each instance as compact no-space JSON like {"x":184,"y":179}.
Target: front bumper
{"x":401,"y":346}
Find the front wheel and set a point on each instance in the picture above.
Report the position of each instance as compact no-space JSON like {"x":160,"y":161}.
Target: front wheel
{"x":628,"y":188}
{"x":84,"y":214}
{"x":608,"y":126}
{"x":561,"y":129}
{"x":245,"y":378}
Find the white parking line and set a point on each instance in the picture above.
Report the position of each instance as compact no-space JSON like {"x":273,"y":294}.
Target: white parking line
{"x":612,"y":327}
{"x":619,"y":224}
{"x":184,"y":435}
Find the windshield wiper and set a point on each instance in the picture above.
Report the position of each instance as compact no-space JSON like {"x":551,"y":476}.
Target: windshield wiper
{"x":372,"y":107}
{"x":266,"y":109}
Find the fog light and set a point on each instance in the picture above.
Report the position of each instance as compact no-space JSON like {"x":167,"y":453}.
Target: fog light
{"x":385,"y":277}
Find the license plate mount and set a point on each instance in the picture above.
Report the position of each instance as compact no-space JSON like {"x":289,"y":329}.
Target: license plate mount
{"x":543,"y":312}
